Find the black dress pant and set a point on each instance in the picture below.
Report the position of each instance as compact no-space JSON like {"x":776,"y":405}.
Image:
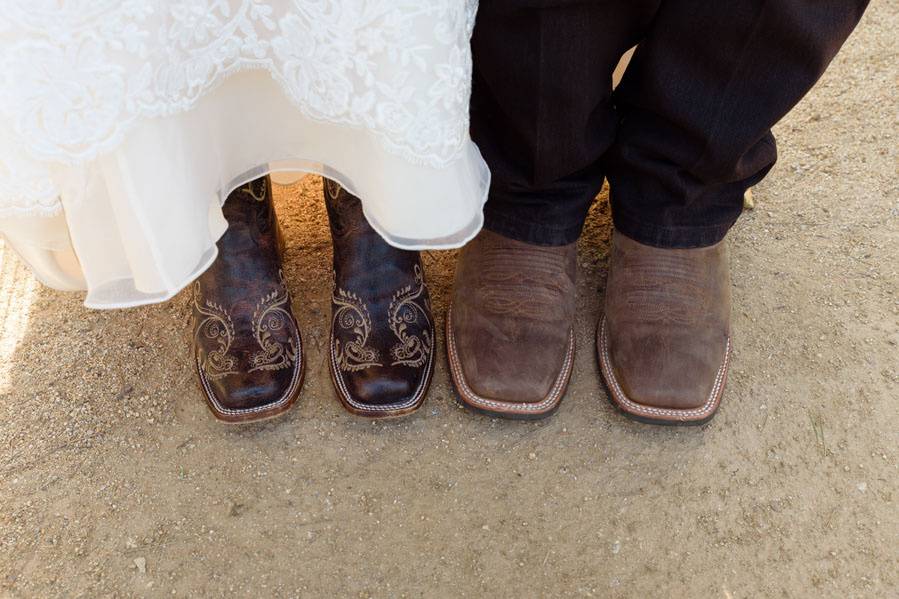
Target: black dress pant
{"x":682,"y":137}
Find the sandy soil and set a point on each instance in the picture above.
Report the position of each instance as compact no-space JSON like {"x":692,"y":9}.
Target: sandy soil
{"x":115,"y":481}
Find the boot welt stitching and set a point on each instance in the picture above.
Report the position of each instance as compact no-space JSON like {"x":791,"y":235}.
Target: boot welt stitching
{"x":555,"y":392}
{"x":345,"y":394}
{"x":630,"y":405}
{"x":291,"y":388}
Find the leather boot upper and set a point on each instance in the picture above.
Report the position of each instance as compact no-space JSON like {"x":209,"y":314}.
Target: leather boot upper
{"x":382,"y":331}
{"x":667,"y":313}
{"x":512,"y":316}
{"x":247,"y":343}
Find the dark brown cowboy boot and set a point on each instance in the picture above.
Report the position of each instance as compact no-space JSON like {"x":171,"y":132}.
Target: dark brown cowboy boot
{"x":382,"y":331}
{"x":246,"y":340}
{"x":664,"y":341}
{"x":509,"y":332}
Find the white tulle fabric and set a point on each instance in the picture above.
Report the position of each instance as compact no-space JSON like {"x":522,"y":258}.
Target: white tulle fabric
{"x":124,"y":124}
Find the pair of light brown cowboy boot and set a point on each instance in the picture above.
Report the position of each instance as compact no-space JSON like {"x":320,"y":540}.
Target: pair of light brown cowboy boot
{"x":663,"y":341}
{"x":247,"y":343}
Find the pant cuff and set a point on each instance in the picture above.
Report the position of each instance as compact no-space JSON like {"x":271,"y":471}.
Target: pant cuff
{"x":669,"y":237}
{"x":530,"y":232}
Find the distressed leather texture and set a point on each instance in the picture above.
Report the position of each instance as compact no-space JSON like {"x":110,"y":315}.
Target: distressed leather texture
{"x":667,"y":312}
{"x":512,"y":316}
{"x":246,"y":339}
{"x":382,"y":329}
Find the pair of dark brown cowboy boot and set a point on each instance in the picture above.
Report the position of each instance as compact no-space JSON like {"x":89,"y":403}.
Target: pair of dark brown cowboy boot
{"x":247,"y":344}
{"x":663,"y":342}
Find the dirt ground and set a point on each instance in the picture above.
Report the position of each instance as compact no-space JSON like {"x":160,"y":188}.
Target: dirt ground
{"x":116,"y":482}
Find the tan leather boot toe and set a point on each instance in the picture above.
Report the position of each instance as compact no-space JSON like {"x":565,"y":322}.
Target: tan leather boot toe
{"x":509,"y":331}
{"x":664,"y":340}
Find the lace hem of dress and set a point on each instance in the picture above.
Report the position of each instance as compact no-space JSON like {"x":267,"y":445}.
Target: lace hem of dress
{"x":75,"y":77}
{"x":25,"y":188}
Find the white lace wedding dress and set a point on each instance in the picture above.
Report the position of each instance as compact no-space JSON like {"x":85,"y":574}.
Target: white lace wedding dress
{"x":124,"y":124}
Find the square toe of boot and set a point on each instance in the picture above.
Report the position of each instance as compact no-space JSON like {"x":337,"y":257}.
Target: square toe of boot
{"x":682,"y":391}
{"x":249,"y":396}
{"x":378,"y":389}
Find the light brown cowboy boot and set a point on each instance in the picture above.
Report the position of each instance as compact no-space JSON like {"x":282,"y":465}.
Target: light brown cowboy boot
{"x":509,"y":332}
{"x":664,"y":340}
